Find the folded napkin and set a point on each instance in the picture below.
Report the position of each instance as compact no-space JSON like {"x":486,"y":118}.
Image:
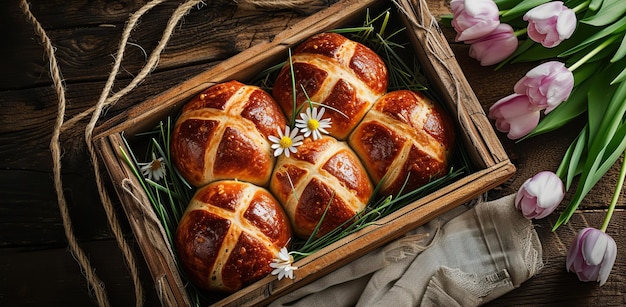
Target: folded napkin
{"x":466,"y":257}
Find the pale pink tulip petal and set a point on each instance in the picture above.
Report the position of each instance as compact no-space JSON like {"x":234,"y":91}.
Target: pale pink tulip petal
{"x":474,"y":18}
{"x":495,"y":46}
{"x":539,"y":195}
{"x":550,"y":23}
{"x":514,"y":114}
{"x":547,"y":85}
{"x":592,"y":255}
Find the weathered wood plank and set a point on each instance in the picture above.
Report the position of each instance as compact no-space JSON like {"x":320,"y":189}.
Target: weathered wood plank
{"x":29,"y":215}
{"x":206,"y":34}
{"x":50,"y":276}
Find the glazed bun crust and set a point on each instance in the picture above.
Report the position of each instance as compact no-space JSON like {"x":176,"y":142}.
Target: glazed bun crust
{"x":229,"y":234}
{"x":321,"y":172}
{"x":404,"y":135}
{"x":224,"y":128}
{"x":337,"y":72}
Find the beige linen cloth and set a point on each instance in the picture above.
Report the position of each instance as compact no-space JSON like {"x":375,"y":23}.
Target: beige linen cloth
{"x":466,"y":257}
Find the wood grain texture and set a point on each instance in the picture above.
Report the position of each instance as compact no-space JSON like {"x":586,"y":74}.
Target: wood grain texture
{"x":35,"y":266}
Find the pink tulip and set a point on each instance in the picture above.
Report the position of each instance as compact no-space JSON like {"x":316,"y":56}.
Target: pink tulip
{"x":547,"y":85}
{"x":474,"y":18}
{"x":540,"y":195}
{"x":495,"y":46}
{"x":550,"y":23}
{"x":592,"y":255}
{"x":515,"y":114}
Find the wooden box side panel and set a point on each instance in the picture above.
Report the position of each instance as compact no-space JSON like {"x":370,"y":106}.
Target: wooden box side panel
{"x":447,"y":78}
{"x":147,"y":228}
{"x":243,"y":66}
{"x":366,"y":240}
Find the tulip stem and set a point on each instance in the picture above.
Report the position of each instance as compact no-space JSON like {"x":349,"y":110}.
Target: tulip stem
{"x":581,"y":6}
{"x":593,"y":52}
{"x":520,"y":32}
{"x":616,"y":193}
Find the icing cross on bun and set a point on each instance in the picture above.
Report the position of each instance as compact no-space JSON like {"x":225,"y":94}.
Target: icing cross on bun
{"x":222,"y":133}
{"x":229,"y":234}
{"x":344,"y":75}
{"x":405,"y":137}
{"x":321,"y":172}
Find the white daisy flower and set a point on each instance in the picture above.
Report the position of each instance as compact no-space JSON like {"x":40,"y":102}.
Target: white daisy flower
{"x":283,"y":264}
{"x":286,"y":142}
{"x":311,"y":123}
{"x":153,"y":170}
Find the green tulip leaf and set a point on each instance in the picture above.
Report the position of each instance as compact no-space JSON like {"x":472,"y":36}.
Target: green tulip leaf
{"x":610,"y":154}
{"x":617,"y":27}
{"x":584,"y":72}
{"x":608,"y":121}
{"x":595,"y":4}
{"x":621,"y":51}
{"x":506,"y":4}
{"x":522,"y":7}
{"x":597,"y":96}
{"x":571,"y":163}
{"x":605,"y":144}
{"x":615,"y":148}
{"x":620,"y":78}
{"x":446,"y":20}
{"x":537,"y":52}
{"x":580,"y":193}
{"x":597,"y":54}
{"x":610,"y":11}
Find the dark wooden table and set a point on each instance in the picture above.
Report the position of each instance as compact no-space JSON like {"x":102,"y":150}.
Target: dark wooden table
{"x":36,"y":267}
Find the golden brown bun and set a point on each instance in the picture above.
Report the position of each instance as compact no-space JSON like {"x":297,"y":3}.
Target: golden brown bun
{"x":337,"y":72}
{"x":222,"y":134}
{"x":229,"y":234}
{"x":404,"y":134}
{"x":319,"y":172}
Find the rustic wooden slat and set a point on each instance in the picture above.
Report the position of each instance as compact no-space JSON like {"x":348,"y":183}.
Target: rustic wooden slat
{"x":58,"y":14}
{"x":30,"y":216}
{"x":242,"y":66}
{"x":438,"y":60}
{"x":49,"y":276}
{"x":207,"y":34}
{"x":386,"y":229}
{"x":145,"y":225}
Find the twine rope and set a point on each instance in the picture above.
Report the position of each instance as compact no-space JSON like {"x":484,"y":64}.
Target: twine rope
{"x":148,"y":213}
{"x":77,"y":252}
{"x":152,"y":62}
{"x":106,"y":100}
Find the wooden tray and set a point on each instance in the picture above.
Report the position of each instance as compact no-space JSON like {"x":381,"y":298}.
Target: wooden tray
{"x":446,"y":80}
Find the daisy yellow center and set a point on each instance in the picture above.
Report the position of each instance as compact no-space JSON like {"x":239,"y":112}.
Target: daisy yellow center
{"x":155,"y":165}
{"x":285,"y":142}
{"x":313,"y":124}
